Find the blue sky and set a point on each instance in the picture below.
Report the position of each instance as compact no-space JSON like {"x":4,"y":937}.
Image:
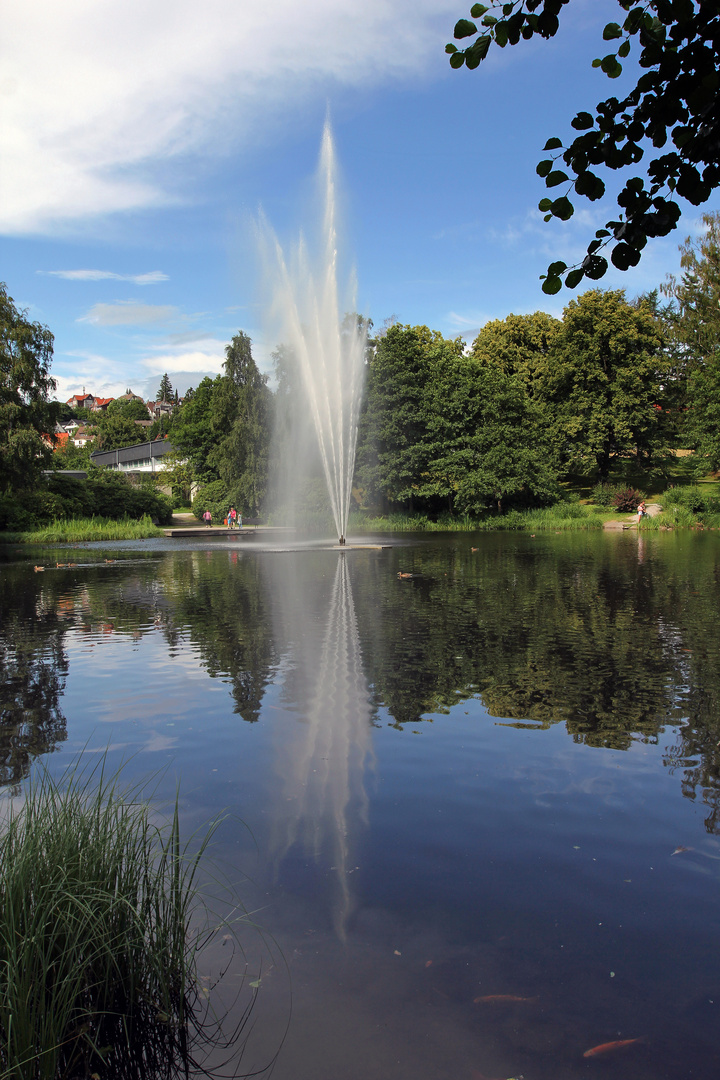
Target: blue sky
{"x":140,"y":138}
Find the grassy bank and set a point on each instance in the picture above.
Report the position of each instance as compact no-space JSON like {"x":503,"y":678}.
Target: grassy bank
{"x":559,"y":518}
{"x":97,"y":959}
{"x":78,"y":530}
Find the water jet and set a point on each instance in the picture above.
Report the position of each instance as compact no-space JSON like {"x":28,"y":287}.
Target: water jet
{"x":322,"y":353}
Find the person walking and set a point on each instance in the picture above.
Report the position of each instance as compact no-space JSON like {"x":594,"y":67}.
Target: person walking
{"x":641,"y":511}
{"x":207,"y":518}
{"x":232,"y":516}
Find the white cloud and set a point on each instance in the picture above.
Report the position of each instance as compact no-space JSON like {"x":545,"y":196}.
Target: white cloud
{"x":128,"y":313}
{"x":94,"y":97}
{"x":186,"y":361}
{"x":153,"y":277}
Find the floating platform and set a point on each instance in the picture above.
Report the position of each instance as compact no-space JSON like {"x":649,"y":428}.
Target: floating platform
{"x":215,"y":530}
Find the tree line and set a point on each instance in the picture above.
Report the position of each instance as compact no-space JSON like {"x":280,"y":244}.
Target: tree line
{"x":444,"y":427}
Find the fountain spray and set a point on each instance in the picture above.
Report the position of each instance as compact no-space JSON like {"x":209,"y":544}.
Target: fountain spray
{"x":326,"y":346}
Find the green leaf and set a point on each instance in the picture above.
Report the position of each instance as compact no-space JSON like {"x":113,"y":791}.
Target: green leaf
{"x":553,"y":144}
{"x":477,"y":51}
{"x":501,"y":35}
{"x":544,"y":205}
{"x":450,"y":48}
{"x":610,"y":66}
{"x":551,"y":285}
{"x":623,"y":256}
{"x":543,"y":167}
{"x":478,"y":10}
{"x":624,"y":49}
{"x":457,"y":60}
{"x":556,"y":268}
{"x":562,"y":208}
{"x":612,"y":30}
{"x":594,"y":266}
{"x":590,"y":185}
{"x":596,"y":62}
{"x":556,"y":177}
{"x":583,"y":121}
{"x":464,"y":28}
{"x":574,"y":278}
{"x":489,"y":20}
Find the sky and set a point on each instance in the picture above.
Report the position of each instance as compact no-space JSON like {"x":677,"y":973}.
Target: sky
{"x":141,"y":139}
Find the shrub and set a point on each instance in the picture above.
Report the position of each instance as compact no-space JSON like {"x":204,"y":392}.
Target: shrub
{"x":692,"y":498}
{"x":106,"y":494}
{"x":212,"y":496}
{"x":15,"y":513}
{"x":602,"y":494}
{"x":625,"y":500}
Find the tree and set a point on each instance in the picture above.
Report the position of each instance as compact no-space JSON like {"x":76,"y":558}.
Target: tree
{"x":26,"y":412}
{"x":487,"y":439}
{"x":675,"y":98}
{"x":518,"y":346}
{"x":392,"y":450}
{"x":117,"y":426}
{"x":131,"y":409}
{"x":444,"y":431}
{"x":165,"y":393}
{"x":193,"y":429}
{"x":697,"y":294}
{"x":242,"y":408}
{"x":696,"y":326}
{"x":605,"y":383}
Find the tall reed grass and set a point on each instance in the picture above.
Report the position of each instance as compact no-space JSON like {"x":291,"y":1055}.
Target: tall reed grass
{"x":97,"y":958}
{"x":77,"y":530}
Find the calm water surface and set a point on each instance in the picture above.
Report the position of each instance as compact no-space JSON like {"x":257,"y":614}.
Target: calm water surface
{"x":466,"y":783}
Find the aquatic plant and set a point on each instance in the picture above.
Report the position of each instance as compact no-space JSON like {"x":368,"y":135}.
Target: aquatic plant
{"x":79,"y":530}
{"x":101,"y":922}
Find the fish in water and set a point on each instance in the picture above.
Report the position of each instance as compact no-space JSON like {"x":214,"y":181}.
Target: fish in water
{"x":610,"y":1047}
{"x":500,"y":999}
{"x":476,"y":1075}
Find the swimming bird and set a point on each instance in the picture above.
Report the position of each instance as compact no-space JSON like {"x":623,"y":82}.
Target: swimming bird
{"x":38,"y":568}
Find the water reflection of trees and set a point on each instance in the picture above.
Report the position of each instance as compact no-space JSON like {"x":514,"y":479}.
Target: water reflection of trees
{"x":33,"y":666}
{"x":614,"y":646}
{"x":202,"y":600}
{"x":614,"y":641}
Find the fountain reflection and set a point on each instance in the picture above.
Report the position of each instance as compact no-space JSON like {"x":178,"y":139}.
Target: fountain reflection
{"x":325,"y":750}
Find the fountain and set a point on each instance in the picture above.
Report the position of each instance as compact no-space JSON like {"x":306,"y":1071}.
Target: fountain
{"x":324,"y":348}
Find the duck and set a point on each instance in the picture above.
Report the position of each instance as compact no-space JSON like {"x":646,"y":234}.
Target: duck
{"x":402,"y":575}
{"x":37,"y":569}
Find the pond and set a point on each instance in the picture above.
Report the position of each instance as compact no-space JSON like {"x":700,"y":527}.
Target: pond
{"x":473,"y":782}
